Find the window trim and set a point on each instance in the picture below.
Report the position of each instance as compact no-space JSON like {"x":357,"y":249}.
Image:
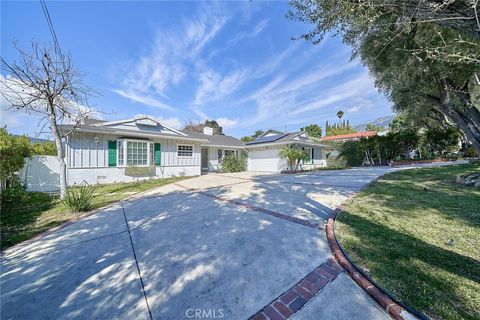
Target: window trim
{"x":125,"y":147}
{"x":225,"y":154}
{"x":187,"y":145}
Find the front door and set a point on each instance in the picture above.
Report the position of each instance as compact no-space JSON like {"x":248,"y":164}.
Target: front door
{"x":204,"y":158}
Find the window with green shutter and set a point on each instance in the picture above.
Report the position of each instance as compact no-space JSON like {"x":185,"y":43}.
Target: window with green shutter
{"x":158,"y":154}
{"x":112,"y":153}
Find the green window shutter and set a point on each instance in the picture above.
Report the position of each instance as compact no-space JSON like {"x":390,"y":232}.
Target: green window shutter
{"x":312,"y":155}
{"x":112,"y":153}
{"x":158,"y":154}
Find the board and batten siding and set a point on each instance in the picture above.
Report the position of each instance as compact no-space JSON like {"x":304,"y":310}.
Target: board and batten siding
{"x":83,"y":152}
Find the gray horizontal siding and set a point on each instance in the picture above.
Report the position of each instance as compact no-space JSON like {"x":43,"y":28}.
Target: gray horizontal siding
{"x":82,"y":152}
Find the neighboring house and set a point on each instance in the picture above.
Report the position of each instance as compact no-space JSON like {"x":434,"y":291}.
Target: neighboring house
{"x":264,"y":152}
{"x":349,"y":136}
{"x":142,"y":148}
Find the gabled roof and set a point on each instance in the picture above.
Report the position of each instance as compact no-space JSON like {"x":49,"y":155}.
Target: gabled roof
{"x":270,"y":132}
{"x":143,"y":120}
{"x":216,"y":140}
{"x":144,"y":126}
{"x":268,"y":138}
{"x":278,"y":138}
{"x":348,"y":136}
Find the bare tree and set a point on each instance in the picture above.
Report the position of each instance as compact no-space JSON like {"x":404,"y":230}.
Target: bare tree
{"x":194,"y":126}
{"x":45,"y":81}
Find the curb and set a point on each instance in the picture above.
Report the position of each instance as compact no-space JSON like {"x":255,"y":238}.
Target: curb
{"x":388,"y":303}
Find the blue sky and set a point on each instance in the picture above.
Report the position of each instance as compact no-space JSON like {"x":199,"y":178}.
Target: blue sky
{"x":233,"y":62}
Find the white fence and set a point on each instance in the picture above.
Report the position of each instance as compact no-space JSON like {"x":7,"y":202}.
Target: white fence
{"x":40,"y":173}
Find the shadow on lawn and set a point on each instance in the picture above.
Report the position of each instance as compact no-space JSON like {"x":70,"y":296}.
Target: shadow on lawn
{"x":20,"y":213}
{"x":442,"y":195}
{"x":400,"y":261}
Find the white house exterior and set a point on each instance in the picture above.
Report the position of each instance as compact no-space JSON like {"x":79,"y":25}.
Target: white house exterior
{"x":122,"y":151}
{"x":143,"y":148}
{"x":263,"y":152}
{"x":217,"y":147}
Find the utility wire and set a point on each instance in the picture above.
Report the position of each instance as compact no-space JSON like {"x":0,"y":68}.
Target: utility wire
{"x":58,"y":51}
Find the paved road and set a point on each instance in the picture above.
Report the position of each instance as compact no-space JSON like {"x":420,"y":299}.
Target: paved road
{"x":186,"y":246}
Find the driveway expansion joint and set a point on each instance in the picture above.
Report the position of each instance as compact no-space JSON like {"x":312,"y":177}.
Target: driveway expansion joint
{"x":136,"y":264}
{"x":296,"y":297}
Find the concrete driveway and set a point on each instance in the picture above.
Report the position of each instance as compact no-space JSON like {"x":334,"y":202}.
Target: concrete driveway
{"x":215,"y":246}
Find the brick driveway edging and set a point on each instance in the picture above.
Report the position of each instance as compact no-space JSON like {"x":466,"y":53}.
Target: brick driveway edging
{"x":292,"y":300}
{"x":391,"y":306}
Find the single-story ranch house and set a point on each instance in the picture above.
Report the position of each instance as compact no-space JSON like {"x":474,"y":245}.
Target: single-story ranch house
{"x":138,"y":148}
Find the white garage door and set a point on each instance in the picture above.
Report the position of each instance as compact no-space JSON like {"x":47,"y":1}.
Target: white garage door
{"x":265,"y":160}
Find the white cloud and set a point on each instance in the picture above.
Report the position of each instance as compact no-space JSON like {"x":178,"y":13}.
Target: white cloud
{"x":170,"y":60}
{"x":149,"y":101}
{"x":259,"y":27}
{"x":227,"y":123}
{"x":214,"y":86}
{"x":203,"y":116}
{"x":353,"y":109}
{"x":248,"y":35}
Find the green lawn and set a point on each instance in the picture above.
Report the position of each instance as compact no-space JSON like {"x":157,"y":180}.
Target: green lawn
{"x":35,"y":212}
{"x":417,"y":233}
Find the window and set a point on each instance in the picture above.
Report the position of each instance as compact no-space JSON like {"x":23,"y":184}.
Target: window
{"x":220,"y":154}
{"x":229,"y":153}
{"x":184,"y":150}
{"x":137,"y":153}
{"x":131,"y":152}
{"x":120,"y":152}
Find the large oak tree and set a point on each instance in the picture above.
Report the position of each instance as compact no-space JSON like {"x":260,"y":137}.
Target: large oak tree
{"x":424,"y":55}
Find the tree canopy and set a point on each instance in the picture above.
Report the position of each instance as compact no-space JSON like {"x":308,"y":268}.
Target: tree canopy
{"x":372,"y":127}
{"x":46,"y":148}
{"x":424,"y":55}
{"x":254,"y":136}
{"x":198,"y":126}
{"x":313,"y":130}
{"x":13,"y":150}
{"x":342,"y":127}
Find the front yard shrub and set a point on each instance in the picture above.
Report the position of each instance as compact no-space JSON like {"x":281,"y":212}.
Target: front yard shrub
{"x":14,"y":190}
{"x":79,"y":198}
{"x":233,"y":164}
{"x":294,"y":156}
{"x":13,"y":151}
{"x":336,"y":163}
{"x":352,"y":153}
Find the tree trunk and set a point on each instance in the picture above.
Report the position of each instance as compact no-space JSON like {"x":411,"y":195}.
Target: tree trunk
{"x":467,"y":118}
{"x":60,"y":154}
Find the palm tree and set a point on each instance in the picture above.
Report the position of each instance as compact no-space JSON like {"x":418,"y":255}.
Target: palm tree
{"x":294,"y":156}
{"x":340,"y":114}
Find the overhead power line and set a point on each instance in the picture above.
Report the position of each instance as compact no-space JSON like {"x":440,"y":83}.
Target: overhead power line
{"x":50,"y":26}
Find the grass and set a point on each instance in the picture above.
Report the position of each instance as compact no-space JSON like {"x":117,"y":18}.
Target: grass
{"x":417,"y":234}
{"x":35,"y":212}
